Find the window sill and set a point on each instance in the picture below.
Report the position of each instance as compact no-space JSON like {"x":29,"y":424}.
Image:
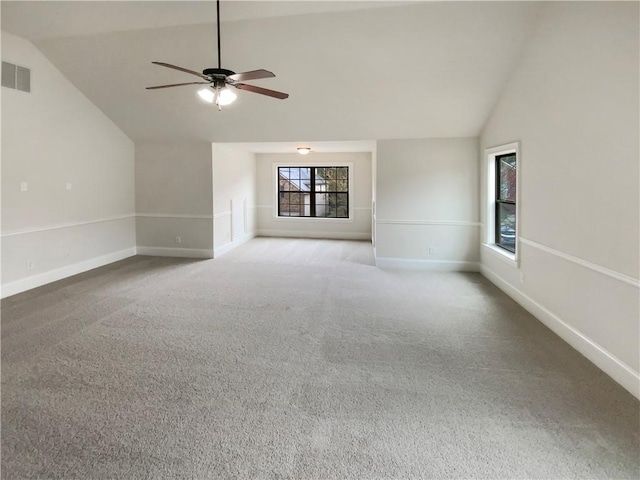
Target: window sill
{"x":312,"y":219}
{"x":502,"y":254}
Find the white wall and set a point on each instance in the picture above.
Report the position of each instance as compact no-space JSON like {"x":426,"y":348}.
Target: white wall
{"x":53,"y":136}
{"x":234,"y":197}
{"x":427,"y":198}
{"x":174,"y":199}
{"x":357,"y":227}
{"x":573,"y":105}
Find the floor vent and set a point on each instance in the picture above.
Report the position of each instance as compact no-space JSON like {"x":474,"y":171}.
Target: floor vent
{"x":16,"y":77}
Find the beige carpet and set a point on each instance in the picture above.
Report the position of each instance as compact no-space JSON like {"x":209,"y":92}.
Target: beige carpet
{"x":297,"y":359}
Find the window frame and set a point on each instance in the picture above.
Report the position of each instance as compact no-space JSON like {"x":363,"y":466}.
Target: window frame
{"x":492,"y":202}
{"x":502,"y":201}
{"x":275,"y":185}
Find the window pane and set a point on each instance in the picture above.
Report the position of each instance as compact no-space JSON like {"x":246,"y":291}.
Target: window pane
{"x":326,"y":173}
{"x":321,"y":185}
{"x":507,"y":177}
{"x":283,"y":206}
{"x":304,"y":175}
{"x":305,"y":207}
{"x":506,"y":226}
{"x":283,"y":178}
{"x":328,"y":206}
{"x":333,"y":205}
{"x":342,"y":186}
{"x":324,"y":177}
{"x":342,"y":202}
{"x":342,"y":173}
{"x":322,"y":198}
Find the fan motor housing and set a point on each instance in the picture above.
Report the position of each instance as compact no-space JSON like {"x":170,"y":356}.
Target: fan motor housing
{"x":217,"y":72}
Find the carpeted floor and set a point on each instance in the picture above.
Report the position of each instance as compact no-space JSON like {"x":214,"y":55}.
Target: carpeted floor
{"x":298,"y":359}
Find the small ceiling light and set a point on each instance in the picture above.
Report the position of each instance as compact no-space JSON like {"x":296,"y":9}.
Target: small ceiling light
{"x":206,"y":94}
{"x":303,"y":150}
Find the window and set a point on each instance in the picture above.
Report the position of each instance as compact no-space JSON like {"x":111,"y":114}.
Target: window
{"x":313,"y":192}
{"x":503,"y":164}
{"x":505,"y":216}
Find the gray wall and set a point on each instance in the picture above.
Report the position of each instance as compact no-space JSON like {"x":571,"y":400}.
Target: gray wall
{"x":573,"y":105}
{"x":427,"y":204}
{"x":234,"y":197}
{"x":174,"y":198}
{"x":78,"y":210}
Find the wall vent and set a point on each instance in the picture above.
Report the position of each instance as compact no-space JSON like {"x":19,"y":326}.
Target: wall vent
{"x":16,"y":77}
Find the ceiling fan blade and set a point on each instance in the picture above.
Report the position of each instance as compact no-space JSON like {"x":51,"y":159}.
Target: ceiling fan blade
{"x":178,"y":85}
{"x":261,"y":91}
{"x":192,"y":72}
{"x":252,"y":75}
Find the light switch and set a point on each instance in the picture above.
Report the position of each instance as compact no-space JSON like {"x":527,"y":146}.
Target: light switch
{"x":69,"y":185}
{"x":23,"y":186}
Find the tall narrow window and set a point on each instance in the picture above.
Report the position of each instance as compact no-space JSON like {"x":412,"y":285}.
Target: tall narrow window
{"x":313,"y":192}
{"x":505,"y":214}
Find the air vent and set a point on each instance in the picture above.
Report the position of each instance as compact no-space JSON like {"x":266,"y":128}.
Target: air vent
{"x":16,"y":77}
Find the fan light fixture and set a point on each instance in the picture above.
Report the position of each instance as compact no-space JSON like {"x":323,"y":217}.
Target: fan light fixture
{"x":225,"y":97}
{"x":222,"y":96}
{"x":207,"y":94}
{"x":303,"y":150}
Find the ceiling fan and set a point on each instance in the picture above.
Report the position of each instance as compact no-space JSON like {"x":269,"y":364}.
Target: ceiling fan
{"x":219,"y":78}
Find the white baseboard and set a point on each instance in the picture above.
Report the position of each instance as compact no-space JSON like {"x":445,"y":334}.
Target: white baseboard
{"x":40,"y":279}
{"x":175,"y":252}
{"x":607,"y":362}
{"x":429,"y":265}
{"x":315,"y":234}
{"x":231,"y":245}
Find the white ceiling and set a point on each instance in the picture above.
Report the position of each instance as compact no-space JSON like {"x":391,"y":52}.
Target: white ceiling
{"x":316,"y":147}
{"x":409,"y":70}
{"x":41,"y":20}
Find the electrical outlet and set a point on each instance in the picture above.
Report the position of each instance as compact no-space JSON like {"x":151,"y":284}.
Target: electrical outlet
{"x":522,"y":277}
{"x":23,"y":186}
{"x":69,"y":185}
{"x":178,"y":240}
{"x":30,"y":265}
{"x":432,"y":250}
{"x":67,"y":255}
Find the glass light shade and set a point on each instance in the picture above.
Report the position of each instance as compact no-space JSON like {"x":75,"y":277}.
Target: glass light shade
{"x":303,"y":150}
{"x":225,"y":97}
{"x":206,"y":94}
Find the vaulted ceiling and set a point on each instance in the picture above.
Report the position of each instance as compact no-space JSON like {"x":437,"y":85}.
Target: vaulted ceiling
{"x":354,"y":70}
